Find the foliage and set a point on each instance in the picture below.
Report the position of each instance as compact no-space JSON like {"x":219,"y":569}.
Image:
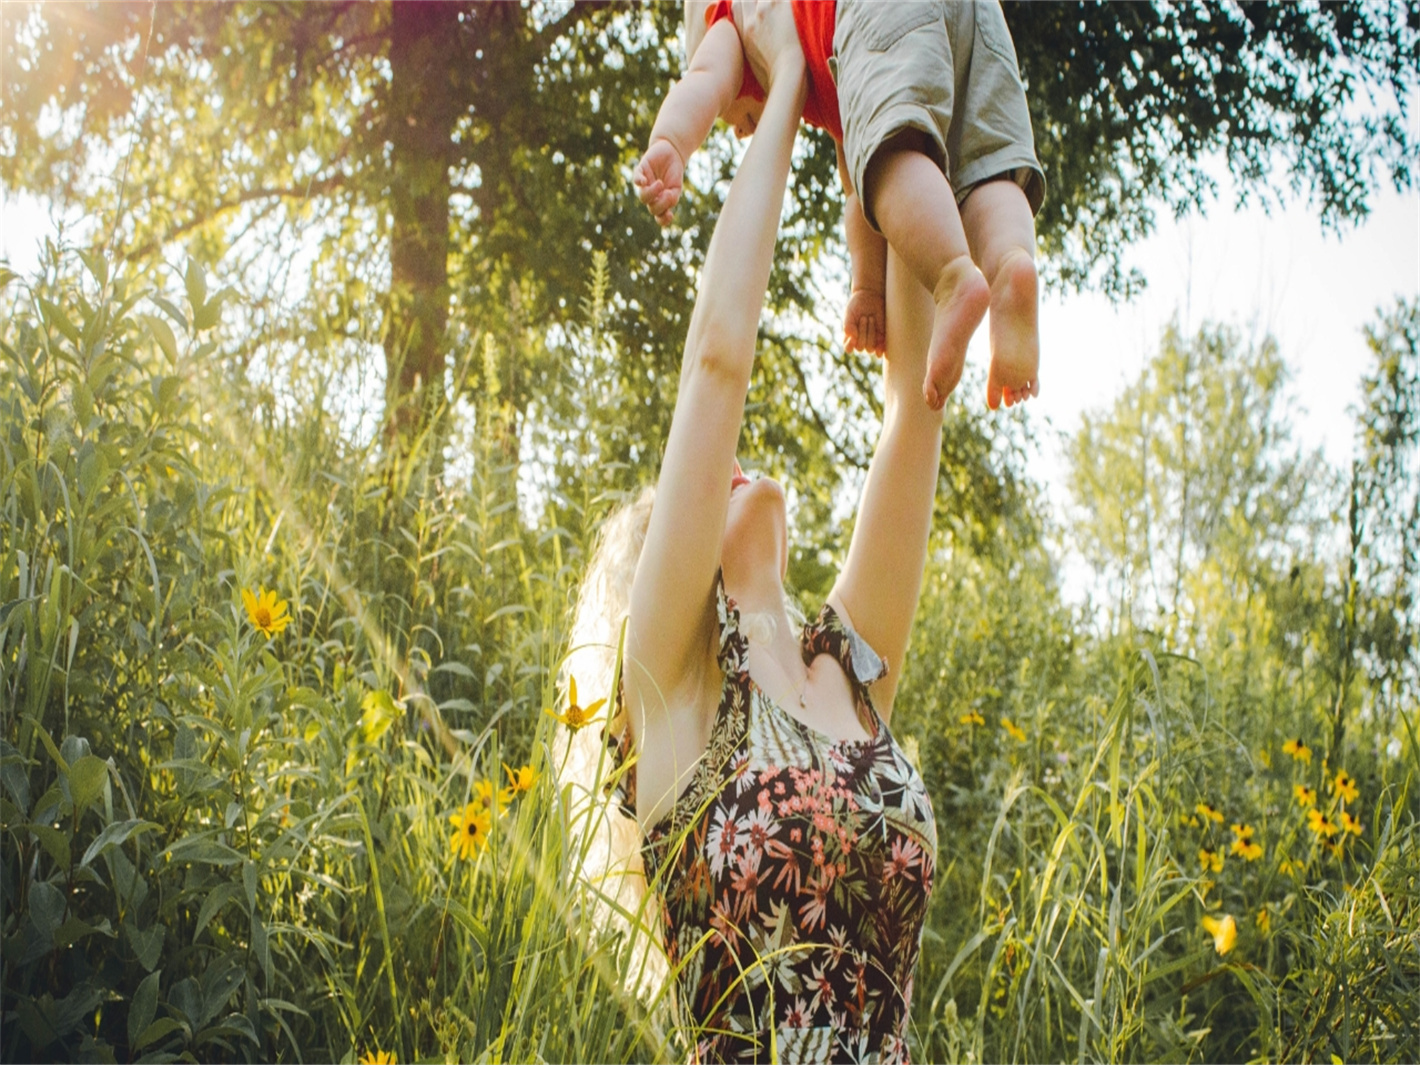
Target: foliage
{"x":230,"y":842}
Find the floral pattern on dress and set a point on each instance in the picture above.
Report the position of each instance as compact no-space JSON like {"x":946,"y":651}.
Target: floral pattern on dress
{"x":794,"y":871}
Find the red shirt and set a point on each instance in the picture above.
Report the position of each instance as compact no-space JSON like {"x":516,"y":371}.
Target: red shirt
{"x":814,"y":19}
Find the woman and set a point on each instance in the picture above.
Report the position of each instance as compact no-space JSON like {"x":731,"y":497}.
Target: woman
{"x":791,"y":843}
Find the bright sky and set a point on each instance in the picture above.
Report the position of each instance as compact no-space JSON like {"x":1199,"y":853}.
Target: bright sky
{"x":1280,"y":275}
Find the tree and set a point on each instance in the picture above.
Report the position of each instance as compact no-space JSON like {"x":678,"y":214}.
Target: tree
{"x":1189,"y":487}
{"x":457,"y":164}
{"x":1378,"y":620}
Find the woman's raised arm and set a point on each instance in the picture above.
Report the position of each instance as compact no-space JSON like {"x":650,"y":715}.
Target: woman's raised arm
{"x":672,"y":613}
{"x":881,"y":580}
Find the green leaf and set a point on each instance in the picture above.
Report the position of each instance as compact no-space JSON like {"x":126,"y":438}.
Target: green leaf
{"x":159,"y":1029}
{"x":163,"y":334}
{"x":380,"y":712}
{"x":143,"y":1006}
{"x":456,"y":668}
{"x":204,"y":851}
{"x":196,"y":282}
{"x":212,"y":905}
{"x":6,"y":276}
{"x":46,"y":907}
{"x":86,"y":781}
{"x":147,"y":944}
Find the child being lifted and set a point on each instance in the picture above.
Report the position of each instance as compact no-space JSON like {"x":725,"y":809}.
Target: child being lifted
{"x":935,"y":153}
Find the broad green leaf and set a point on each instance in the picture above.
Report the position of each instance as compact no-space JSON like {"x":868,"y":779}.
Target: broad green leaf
{"x":86,"y":781}
{"x":143,"y":1006}
{"x":114,"y":835}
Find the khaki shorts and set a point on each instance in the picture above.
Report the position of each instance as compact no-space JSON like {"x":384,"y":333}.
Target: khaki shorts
{"x":946,"y":68}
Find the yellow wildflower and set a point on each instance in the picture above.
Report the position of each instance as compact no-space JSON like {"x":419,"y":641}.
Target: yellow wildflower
{"x":972,"y":718}
{"x":1224,"y":932}
{"x":1208,"y":812}
{"x":1243,"y":843}
{"x":1321,"y":824}
{"x":1264,"y":920}
{"x":1265,"y":757}
{"x":483,"y":794}
{"x":1210,"y":859}
{"x":1345,"y":786}
{"x":1305,"y":796}
{"x":1298,"y":750}
{"x":471,"y":829}
{"x":1188,"y":820}
{"x":1289,"y":867}
{"x":265,"y":611}
{"x":521,"y":779}
{"x":1017,"y":733}
{"x":377,"y":1057}
{"x":576,"y":716}
{"x":1350,"y":824}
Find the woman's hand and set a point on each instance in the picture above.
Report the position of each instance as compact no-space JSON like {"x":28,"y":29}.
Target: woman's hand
{"x":770,"y":40}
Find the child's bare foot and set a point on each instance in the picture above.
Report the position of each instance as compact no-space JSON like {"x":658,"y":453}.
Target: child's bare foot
{"x":961,"y":296}
{"x":1015,"y":334}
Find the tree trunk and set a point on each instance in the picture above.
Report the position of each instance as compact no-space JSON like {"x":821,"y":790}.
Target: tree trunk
{"x":420,"y":121}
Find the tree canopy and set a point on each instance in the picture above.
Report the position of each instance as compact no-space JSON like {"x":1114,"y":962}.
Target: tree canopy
{"x":421,"y":175}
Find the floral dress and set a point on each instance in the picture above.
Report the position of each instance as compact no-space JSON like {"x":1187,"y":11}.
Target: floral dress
{"x":794,"y":871}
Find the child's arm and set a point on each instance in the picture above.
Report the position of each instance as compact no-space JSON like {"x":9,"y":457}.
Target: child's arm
{"x":687,"y":113}
{"x":865,"y":319}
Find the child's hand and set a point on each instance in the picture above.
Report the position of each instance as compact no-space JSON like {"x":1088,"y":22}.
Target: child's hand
{"x":865,"y":322}
{"x":658,"y":179}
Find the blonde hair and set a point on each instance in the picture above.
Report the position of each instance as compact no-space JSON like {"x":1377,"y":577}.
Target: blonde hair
{"x":605,"y":842}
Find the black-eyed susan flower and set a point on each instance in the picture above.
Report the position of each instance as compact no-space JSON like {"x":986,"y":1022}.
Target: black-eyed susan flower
{"x":576,"y":716}
{"x":1210,"y":859}
{"x":1298,"y":750}
{"x":1224,"y":931}
{"x":1350,"y":824}
{"x":1321,"y":825}
{"x":483,"y":794}
{"x":471,"y":829}
{"x":377,"y":1057}
{"x":1188,"y":820}
{"x":1305,"y":796}
{"x":1344,"y":785}
{"x":1243,"y":843}
{"x":1264,"y":920}
{"x":1015,"y":731}
{"x":1287,"y":867}
{"x":1209,"y":813}
{"x":265,"y":611}
{"x":972,"y":718}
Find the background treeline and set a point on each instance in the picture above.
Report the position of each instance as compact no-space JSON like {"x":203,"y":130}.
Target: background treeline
{"x":422,"y":341}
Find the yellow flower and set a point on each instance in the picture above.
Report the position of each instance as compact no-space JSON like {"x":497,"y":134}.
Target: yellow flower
{"x":471,"y":830}
{"x":483,"y":795}
{"x":1243,"y":843}
{"x":1224,"y":932}
{"x":1298,"y":750}
{"x":1345,"y":786}
{"x":1265,"y":757}
{"x":1289,"y":867}
{"x":1264,"y":920}
{"x":972,"y":718}
{"x":265,"y":612}
{"x":1210,"y":859}
{"x":1188,"y":820}
{"x":575,"y":716}
{"x":377,"y":1057}
{"x":1319,"y":823}
{"x":1350,"y":824}
{"x":1305,"y":796}
{"x":1206,"y":811}
{"x":521,"y":779}
{"x":1017,"y":733}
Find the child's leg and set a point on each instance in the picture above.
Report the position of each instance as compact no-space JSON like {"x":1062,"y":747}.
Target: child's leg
{"x":1001,"y":231}
{"x":917,"y":213}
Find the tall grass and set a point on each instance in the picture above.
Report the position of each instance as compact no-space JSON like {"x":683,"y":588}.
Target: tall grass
{"x":227,"y":845}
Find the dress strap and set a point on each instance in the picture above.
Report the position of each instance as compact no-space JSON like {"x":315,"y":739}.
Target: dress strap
{"x":830,"y":634}
{"x":733,"y":653}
